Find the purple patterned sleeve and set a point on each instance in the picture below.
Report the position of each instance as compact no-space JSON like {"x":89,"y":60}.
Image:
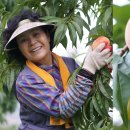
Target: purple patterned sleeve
{"x":46,"y":99}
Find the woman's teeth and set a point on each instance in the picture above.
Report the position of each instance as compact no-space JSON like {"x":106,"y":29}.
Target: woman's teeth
{"x":36,"y":49}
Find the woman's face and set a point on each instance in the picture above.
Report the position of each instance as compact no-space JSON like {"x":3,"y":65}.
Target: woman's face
{"x":34,"y":45}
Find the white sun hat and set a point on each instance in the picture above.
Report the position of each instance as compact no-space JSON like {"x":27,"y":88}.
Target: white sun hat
{"x":23,"y":26}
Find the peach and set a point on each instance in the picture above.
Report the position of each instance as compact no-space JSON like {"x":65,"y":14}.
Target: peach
{"x":102,"y":39}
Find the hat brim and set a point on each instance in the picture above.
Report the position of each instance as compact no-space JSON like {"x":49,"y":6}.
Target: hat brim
{"x":23,"y":28}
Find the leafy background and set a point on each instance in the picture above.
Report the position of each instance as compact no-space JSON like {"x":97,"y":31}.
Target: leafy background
{"x":121,"y":15}
{"x":69,"y":18}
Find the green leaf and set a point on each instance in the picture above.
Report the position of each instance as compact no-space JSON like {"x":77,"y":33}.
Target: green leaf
{"x":82,"y":21}
{"x":60,"y":33}
{"x":96,"y":106}
{"x":52,"y":19}
{"x":78,"y":29}
{"x":78,"y":20}
{"x":85,"y":6}
{"x":107,"y":105}
{"x":64,"y":42}
{"x":78,"y":121}
{"x":96,"y":31}
{"x":72,"y":33}
{"x":91,"y":110}
{"x":86,"y":109}
{"x":99,"y":125}
{"x":88,"y":18}
{"x":5,"y":89}
{"x":102,"y":88}
{"x":100,"y":19}
{"x":107,"y":17}
{"x":16,"y":9}
{"x":47,"y":11}
{"x":72,"y":77}
{"x":101,"y":103}
{"x":108,"y":89}
{"x":4,"y":19}
{"x":108,"y":14}
{"x":1,"y":5}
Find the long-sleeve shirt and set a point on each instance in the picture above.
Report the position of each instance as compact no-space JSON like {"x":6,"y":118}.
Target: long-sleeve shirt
{"x":43,"y":98}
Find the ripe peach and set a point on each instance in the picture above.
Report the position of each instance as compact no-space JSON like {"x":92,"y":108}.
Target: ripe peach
{"x":102,"y":39}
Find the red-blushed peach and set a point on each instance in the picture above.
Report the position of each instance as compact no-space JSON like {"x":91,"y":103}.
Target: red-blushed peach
{"x":102,"y":39}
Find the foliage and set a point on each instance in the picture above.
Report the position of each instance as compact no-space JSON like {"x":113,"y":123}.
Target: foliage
{"x":94,"y":113}
{"x":68,"y":15}
{"x":7,"y":74}
{"x":121,"y":15}
{"x":122,"y":127}
{"x":121,"y":64}
{"x":7,"y":104}
{"x":121,"y":86}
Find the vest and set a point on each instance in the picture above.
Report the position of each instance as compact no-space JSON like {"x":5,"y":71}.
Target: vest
{"x":32,"y":120}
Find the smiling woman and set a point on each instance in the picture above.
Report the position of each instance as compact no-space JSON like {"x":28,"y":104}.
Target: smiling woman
{"x":47,"y":100}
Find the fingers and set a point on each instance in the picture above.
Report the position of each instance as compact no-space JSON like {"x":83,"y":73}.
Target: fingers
{"x":107,"y":55}
{"x":100,"y":47}
{"x":89,"y":49}
{"x":105,"y":52}
{"x":108,"y":59}
{"x":105,"y":59}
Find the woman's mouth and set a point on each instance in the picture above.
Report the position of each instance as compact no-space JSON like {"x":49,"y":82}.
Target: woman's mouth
{"x":36,"y":49}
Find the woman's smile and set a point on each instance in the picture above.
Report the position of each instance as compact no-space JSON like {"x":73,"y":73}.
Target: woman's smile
{"x":36,"y":49}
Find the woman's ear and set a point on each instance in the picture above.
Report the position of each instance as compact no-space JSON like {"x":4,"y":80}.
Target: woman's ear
{"x":127,"y":34}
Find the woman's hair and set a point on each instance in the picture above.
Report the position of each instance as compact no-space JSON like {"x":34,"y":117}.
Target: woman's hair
{"x":12,"y":24}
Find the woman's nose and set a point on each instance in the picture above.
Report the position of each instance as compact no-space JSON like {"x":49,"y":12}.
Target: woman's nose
{"x":32,"y":40}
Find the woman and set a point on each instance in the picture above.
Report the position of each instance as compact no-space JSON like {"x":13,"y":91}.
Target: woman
{"x":47,"y":101}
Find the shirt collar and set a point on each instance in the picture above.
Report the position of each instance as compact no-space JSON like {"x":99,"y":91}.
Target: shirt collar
{"x":47,"y":67}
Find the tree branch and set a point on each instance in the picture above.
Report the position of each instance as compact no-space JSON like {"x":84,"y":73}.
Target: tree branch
{"x":125,"y":49}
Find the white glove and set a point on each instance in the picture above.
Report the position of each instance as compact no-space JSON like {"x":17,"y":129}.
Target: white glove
{"x":97,"y":58}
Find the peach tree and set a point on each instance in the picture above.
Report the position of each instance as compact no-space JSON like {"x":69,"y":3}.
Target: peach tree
{"x":73,"y":16}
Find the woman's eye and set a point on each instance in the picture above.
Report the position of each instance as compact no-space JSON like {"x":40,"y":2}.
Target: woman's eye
{"x":36,"y":34}
{"x":23,"y":40}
